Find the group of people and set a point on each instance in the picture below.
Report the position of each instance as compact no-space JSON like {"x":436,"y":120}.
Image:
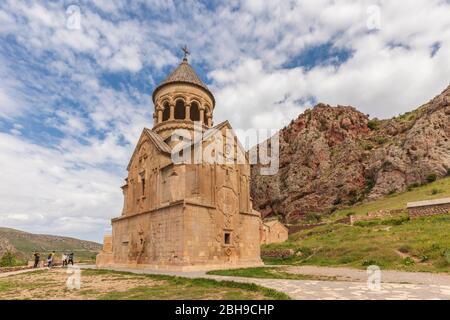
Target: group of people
{"x":66,"y":258}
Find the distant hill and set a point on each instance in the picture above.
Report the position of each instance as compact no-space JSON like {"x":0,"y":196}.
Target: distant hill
{"x":23,"y":244}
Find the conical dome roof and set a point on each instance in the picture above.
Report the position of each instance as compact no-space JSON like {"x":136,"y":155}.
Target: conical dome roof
{"x":184,"y":73}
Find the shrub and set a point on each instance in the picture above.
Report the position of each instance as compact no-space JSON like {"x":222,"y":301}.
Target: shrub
{"x":367,"y":263}
{"x":8,"y":260}
{"x":313,"y":217}
{"x":404,"y":249}
{"x":436,"y":191}
{"x":380,"y":139}
{"x":446,"y":255}
{"x":408,"y":261}
{"x":373,"y":124}
{"x":413,"y":185}
{"x":431,"y":177}
{"x":448,"y":172}
{"x":367,"y":146}
{"x":370,"y":183}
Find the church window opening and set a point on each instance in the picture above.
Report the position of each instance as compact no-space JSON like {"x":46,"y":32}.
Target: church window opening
{"x":227,"y":238}
{"x":195,"y":112}
{"x":180,"y":111}
{"x":143,"y":185}
{"x":166,"y":112}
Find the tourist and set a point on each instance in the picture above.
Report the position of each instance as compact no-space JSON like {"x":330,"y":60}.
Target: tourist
{"x":36,"y":259}
{"x":71,"y":258}
{"x":64,"y":259}
{"x":50,"y":259}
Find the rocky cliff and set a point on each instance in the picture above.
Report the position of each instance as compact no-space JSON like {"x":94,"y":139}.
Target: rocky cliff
{"x":335,"y":156}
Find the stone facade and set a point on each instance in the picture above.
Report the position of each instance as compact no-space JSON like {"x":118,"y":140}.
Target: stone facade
{"x":429,"y":207}
{"x":273,"y":231}
{"x":184,"y":215}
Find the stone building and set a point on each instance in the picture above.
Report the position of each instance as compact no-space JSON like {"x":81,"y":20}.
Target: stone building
{"x":185,"y":215}
{"x":273,"y":231}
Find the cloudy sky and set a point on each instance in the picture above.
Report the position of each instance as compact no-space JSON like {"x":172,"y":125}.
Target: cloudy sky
{"x":76,"y":79}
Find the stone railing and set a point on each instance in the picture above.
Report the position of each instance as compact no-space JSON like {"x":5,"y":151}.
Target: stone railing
{"x":428,"y":207}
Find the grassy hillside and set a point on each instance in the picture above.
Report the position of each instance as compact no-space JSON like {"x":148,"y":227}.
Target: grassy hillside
{"x":25,"y":243}
{"x":434,"y":190}
{"x":421,"y":244}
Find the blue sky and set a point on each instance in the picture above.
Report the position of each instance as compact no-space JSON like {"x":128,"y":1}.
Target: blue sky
{"x":73,"y":101}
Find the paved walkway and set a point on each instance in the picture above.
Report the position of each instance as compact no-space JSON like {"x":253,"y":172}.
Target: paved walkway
{"x":325,"y":290}
{"x":387,"y":276}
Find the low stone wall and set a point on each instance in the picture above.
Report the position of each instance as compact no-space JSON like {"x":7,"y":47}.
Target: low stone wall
{"x":297,"y":228}
{"x":429,"y":210}
{"x":283,"y":253}
{"x":380,"y":214}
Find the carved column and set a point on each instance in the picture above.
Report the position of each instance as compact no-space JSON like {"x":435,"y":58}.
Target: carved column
{"x":209,"y":119}
{"x":160,"y":114}
{"x":188,"y":111}
{"x":172,"y":111}
{"x":202,"y":114}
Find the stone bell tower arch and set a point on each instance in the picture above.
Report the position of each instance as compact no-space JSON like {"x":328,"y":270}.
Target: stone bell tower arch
{"x":182,"y":101}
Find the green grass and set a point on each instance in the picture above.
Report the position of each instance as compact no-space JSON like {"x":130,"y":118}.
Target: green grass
{"x":114,"y":285}
{"x":425,"y":241}
{"x":267,"y":273}
{"x":398,"y":201}
{"x":185,"y":288}
{"x":421,"y":244}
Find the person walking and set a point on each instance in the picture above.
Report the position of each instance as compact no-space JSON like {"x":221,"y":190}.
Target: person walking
{"x":70,"y":258}
{"x":64,"y":259}
{"x":36,"y":259}
{"x":50,"y":259}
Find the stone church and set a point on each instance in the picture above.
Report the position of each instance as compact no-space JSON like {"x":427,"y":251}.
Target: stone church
{"x":187,"y":215}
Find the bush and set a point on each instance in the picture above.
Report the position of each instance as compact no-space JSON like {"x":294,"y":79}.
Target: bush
{"x":8,"y":260}
{"x":413,"y":185}
{"x":431,"y":177}
{"x":408,"y":261}
{"x":448,"y":172}
{"x":436,"y":191}
{"x":373,"y":124}
{"x":367,"y":263}
{"x":313,"y":217}
{"x":380,"y":139}
{"x":367,"y":146}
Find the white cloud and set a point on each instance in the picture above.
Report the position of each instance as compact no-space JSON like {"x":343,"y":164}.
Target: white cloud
{"x":245,"y":47}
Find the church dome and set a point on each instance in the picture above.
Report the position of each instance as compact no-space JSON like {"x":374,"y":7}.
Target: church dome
{"x":184,"y":73}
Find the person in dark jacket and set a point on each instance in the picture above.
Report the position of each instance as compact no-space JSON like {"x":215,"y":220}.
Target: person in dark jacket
{"x":36,"y":259}
{"x":70,"y":258}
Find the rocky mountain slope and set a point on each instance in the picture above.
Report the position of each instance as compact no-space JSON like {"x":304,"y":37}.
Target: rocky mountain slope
{"x":22,"y":244}
{"x":335,"y":156}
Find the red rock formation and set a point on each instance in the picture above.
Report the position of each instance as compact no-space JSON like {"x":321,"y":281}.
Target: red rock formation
{"x":330,"y":156}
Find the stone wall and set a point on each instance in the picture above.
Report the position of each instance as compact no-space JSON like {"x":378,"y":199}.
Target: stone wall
{"x":429,"y":210}
{"x":380,"y":214}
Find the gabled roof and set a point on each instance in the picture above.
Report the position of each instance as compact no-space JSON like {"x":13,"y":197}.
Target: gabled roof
{"x":184,"y":73}
{"x":271,"y":223}
{"x":156,"y":140}
{"x":210,"y":132}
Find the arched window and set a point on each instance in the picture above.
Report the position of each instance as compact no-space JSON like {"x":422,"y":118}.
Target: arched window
{"x":180,"y":111}
{"x":166,"y":112}
{"x":195,"y":112}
